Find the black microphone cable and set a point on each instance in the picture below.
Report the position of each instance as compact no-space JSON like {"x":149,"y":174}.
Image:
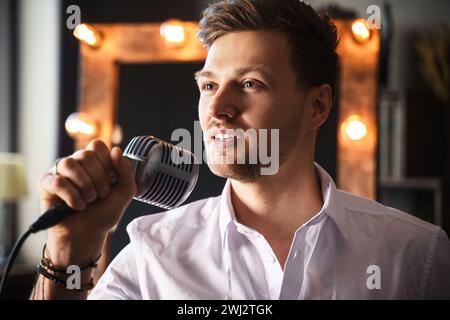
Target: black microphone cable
{"x":50,"y":218}
{"x":12,"y":258}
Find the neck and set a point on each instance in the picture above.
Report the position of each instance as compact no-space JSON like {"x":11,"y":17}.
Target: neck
{"x":278,"y":205}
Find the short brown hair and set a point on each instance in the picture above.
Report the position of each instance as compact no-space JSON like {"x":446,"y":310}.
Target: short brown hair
{"x":313,"y":37}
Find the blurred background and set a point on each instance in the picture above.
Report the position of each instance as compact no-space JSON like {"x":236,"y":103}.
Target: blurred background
{"x":127,"y":70}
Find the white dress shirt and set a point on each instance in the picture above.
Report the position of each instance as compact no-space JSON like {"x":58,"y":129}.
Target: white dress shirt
{"x":354,"y":248}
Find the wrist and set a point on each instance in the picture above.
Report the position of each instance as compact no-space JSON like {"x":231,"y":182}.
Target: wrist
{"x":63,"y":252}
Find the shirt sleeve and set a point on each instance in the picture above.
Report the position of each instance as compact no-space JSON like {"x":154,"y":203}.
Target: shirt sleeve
{"x":120,"y":280}
{"x":438,"y":278}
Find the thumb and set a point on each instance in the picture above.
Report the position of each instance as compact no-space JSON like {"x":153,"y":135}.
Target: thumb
{"x":124,"y":168}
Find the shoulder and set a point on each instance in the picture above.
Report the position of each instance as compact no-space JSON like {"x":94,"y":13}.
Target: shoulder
{"x":376,"y":212}
{"x":396,"y":238}
{"x":386,"y":224}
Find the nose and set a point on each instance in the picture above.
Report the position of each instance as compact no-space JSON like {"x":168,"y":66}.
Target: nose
{"x":223,"y":105}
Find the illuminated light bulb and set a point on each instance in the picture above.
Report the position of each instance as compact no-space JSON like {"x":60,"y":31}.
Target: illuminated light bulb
{"x":360,"y":30}
{"x":79,"y":125}
{"x":173,"y":33}
{"x":354,"y":128}
{"x":88,"y":35}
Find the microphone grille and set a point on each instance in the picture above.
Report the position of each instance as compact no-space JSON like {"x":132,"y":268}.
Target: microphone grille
{"x":165,"y":174}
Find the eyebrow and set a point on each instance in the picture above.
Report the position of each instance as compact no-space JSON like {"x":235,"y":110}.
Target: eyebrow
{"x":240,"y":71}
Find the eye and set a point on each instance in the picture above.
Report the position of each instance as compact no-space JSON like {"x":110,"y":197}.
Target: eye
{"x":249,"y":84}
{"x":207,"y":86}
{"x":253,"y":85}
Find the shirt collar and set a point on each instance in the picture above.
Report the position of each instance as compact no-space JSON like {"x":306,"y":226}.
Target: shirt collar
{"x":332,"y":205}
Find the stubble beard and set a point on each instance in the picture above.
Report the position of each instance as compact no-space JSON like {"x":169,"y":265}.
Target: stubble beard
{"x":249,"y":173}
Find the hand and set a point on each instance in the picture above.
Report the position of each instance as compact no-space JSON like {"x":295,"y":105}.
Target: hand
{"x":99,"y":184}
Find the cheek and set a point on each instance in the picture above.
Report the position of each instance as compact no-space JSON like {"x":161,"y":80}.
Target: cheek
{"x":259,"y":110}
{"x":272,"y":113}
{"x":202,"y":114}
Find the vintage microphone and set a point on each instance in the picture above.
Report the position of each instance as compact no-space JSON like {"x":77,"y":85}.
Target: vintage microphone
{"x":165,"y":176}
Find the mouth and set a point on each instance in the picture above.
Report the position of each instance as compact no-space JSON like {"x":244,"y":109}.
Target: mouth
{"x":222,"y":137}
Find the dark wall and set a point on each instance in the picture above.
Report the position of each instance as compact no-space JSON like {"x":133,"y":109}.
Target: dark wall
{"x":326,"y":146}
{"x":107,"y":11}
{"x":4,"y":75}
{"x":8,"y":75}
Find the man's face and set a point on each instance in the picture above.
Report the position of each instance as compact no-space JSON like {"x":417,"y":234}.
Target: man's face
{"x":248,"y":82}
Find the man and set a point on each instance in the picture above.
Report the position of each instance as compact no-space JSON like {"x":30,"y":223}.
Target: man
{"x":291,"y":235}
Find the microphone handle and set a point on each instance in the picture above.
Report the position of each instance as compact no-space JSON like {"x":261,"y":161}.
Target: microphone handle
{"x":61,"y":211}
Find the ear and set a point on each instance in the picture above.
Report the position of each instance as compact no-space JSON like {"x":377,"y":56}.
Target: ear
{"x":321,"y":102}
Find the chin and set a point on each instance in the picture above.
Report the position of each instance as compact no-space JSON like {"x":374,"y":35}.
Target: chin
{"x":239,"y":172}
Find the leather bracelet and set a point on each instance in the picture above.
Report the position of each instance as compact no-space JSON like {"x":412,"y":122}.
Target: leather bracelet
{"x":45,"y":262}
{"x":61,"y":282}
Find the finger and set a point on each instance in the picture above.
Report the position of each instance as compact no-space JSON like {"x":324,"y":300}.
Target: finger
{"x":124,"y":169}
{"x":102,"y":152}
{"x":59,"y":186}
{"x":69,"y":168}
{"x":94,"y":169}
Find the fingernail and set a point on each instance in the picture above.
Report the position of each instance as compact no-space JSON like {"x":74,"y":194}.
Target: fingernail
{"x":112,"y":177}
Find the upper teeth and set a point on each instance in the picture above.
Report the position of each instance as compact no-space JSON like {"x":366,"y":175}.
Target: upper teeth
{"x":223,"y":136}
